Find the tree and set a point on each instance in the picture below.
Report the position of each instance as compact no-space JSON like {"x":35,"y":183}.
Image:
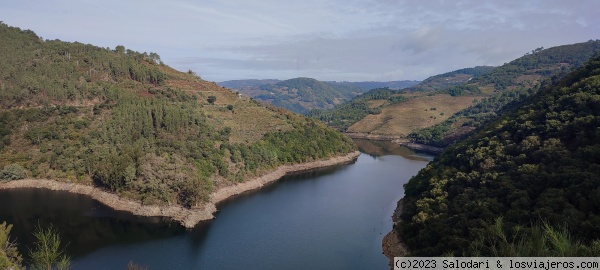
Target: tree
{"x":9,"y":255}
{"x":48,"y":253}
{"x":211,"y":99}
{"x":12,"y":172}
{"x":120,"y":49}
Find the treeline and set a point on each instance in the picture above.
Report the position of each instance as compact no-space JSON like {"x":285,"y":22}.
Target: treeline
{"x":449,"y":79}
{"x":301,"y":94}
{"x":538,"y":162}
{"x":37,"y":72}
{"x":345,"y":115}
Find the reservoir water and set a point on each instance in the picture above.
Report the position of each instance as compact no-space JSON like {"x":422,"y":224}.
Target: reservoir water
{"x":333,"y":218}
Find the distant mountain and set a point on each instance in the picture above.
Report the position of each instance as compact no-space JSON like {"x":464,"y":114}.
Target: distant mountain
{"x":239,"y":84}
{"x":368,"y":85}
{"x":304,"y":94}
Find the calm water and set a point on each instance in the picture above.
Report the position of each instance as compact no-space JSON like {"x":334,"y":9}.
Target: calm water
{"x":328,"y":219}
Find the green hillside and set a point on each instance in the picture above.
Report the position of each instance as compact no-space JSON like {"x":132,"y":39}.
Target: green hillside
{"x":240,"y":84}
{"x":539,"y":162}
{"x":346,"y":114}
{"x":452,"y":78}
{"x":507,"y":84}
{"x":302,"y":94}
{"x":376,"y":100}
{"x":368,"y":85}
{"x":123,"y":120}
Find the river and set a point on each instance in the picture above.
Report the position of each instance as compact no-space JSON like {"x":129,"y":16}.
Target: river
{"x":333,"y":218}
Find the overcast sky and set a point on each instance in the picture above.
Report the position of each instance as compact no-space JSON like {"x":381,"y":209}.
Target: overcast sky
{"x":352,"y":40}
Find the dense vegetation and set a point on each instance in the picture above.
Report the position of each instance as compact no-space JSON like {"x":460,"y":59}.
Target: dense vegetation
{"x":346,"y":114}
{"x":238,"y":84}
{"x":537,"y":162}
{"x":122,"y":120}
{"x":9,"y":255}
{"x":540,"y":62}
{"x":47,"y":253}
{"x":302,"y":94}
{"x":513,"y":81}
{"x":452,"y":78}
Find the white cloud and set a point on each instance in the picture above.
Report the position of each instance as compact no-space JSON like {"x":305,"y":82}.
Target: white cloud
{"x":329,"y":40}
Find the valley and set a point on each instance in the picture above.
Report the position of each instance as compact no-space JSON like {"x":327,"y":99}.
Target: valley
{"x":359,"y":132}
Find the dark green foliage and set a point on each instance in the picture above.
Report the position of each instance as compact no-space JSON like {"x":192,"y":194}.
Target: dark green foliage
{"x":540,"y":159}
{"x":9,"y":255}
{"x":461,"y":90}
{"x":48,"y":252}
{"x":211,"y":99}
{"x":39,"y":73}
{"x":301,"y":94}
{"x":346,"y":114}
{"x":449,"y":79}
{"x":546,"y":62}
{"x":12,"y":172}
{"x":309,"y":140}
{"x":539,"y":240}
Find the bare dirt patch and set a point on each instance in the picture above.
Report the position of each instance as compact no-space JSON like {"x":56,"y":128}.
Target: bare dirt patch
{"x":402,"y":118}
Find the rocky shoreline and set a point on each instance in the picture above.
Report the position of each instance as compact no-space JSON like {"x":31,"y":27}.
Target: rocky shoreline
{"x":186,"y":217}
{"x":391,"y":245}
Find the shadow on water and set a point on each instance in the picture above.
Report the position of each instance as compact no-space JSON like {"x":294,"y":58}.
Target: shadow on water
{"x":311,"y":175}
{"x":377,"y":149}
{"x":83,"y":223}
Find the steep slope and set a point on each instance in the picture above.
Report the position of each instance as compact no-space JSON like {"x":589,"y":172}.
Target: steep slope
{"x":374,"y":113}
{"x":538,"y":161}
{"x":507,"y":84}
{"x":124,"y":121}
{"x":452,"y":78}
{"x":483,"y":89}
{"x":358,"y":108}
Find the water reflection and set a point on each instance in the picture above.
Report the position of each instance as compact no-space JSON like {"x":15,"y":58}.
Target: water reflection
{"x":83,"y":223}
{"x":377,"y":149}
{"x":327,"y":218}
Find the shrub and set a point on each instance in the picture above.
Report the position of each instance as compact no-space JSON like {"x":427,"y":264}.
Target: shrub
{"x":12,"y":172}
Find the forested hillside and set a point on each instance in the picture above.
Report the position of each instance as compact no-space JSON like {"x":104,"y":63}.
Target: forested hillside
{"x":241,"y":84}
{"x":538,"y":163}
{"x":449,"y":79}
{"x":374,"y":102}
{"x":124,"y":121}
{"x":369,"y":85}
{"x":507,"y":84}
{"x":302,"y":94}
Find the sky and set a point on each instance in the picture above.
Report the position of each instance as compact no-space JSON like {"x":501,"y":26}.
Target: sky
{"x":333,"y":40}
